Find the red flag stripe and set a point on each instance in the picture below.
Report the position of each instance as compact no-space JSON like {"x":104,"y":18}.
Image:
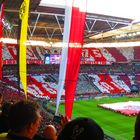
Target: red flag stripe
{"x":74,"y":56}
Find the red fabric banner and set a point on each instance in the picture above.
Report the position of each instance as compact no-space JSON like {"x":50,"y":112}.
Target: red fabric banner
{"x":74,"y":56}
{"x":1,"y":26}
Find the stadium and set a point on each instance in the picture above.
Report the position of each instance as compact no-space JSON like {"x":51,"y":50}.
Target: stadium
{"x":98,"y":76}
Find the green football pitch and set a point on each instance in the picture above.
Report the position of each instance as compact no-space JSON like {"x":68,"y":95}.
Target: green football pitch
{"x":114,"y":124}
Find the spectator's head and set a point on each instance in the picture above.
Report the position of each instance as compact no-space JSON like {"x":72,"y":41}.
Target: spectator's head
{"x":5,"y":108}
{"x":137,"y":128}
{"x":50,"y":132}
{"x":81,"y":129}
{"x":24,"y":118}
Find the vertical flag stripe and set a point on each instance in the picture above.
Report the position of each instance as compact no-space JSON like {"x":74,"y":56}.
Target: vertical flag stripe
{"x":1,"y":26}
{"x":74,"y":54}
{"x":24,"y":12}
{"x":62,"y":70}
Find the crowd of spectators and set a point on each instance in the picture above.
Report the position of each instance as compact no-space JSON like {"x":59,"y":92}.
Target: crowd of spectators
{"x":29,"y":126}
{"x":114,"y":68}
{"x":85,"y":84}
{"x":88,"y":91}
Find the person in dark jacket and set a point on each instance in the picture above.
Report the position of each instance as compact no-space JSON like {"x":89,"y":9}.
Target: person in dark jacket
{"x":24,"y":121}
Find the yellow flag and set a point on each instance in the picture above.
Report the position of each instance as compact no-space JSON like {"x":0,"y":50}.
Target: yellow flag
{"x":23,"y":14}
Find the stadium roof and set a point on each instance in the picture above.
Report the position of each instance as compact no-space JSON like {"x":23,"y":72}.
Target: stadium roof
{"x":46,"y":20}
{"x":118,"y":8}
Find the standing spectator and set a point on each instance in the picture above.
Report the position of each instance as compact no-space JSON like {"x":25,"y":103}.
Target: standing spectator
{"x":24,"y":120}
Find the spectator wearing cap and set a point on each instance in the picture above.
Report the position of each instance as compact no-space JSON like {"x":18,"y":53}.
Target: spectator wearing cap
{"x":81,"y":129}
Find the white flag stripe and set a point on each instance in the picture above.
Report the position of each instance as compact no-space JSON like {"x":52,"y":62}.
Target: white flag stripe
{"x":62,"y":70}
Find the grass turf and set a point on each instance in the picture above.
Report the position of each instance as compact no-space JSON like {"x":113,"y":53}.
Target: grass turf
{"x":114,"y":124}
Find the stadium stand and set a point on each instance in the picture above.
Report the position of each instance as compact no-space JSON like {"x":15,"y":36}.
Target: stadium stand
{"x":117,"y":55}
{"x":99,"y":56}
{"x":136,"y":53}
{"x":105,"y":74}
{"x":43,"y":79}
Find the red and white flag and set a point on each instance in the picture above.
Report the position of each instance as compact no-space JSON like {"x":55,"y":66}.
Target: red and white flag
{"x":71,"y":53}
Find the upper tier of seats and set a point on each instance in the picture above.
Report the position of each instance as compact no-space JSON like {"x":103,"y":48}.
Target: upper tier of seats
{"x":35,"y":54}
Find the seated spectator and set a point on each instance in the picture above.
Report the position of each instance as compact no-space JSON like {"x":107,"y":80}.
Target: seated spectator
{"x":4,"y":125}
{"x":24,"y":120}
{"x":137,"y":128}
{"x":81,"y":129}
{"x":50,"y":133}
